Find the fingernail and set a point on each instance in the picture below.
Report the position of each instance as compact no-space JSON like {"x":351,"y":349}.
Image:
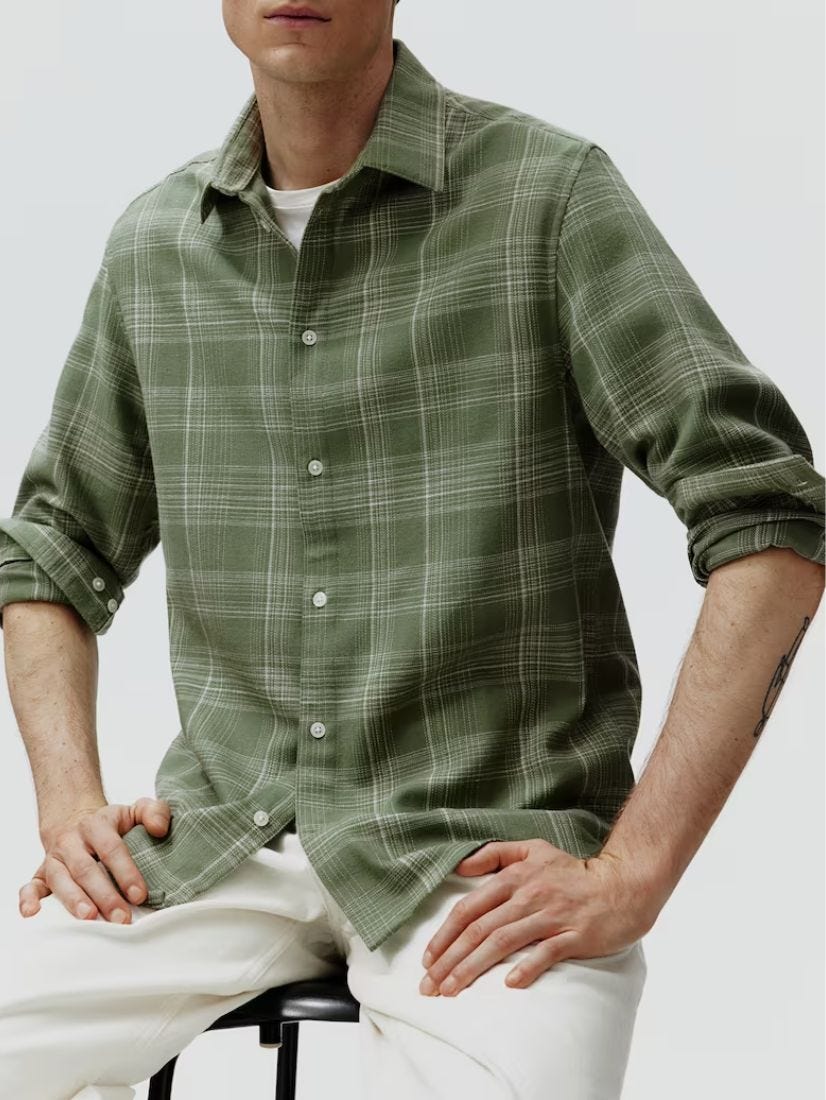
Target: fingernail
{"x":119,"y":915}
{"x":427,"y":959}
{"x":83,"y":909}
{"x":427,"y":986}
{"x":27,"y":909}
{"x":134,"y":893}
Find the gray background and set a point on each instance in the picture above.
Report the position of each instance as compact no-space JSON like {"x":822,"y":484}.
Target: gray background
{"x":715,"y":116}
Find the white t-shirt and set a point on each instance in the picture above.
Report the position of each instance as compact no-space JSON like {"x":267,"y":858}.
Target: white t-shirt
{"x":293,"y":208}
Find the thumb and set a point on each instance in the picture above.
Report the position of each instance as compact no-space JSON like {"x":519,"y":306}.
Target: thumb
{"x":153,"y":813}
{"x":476,"y":862}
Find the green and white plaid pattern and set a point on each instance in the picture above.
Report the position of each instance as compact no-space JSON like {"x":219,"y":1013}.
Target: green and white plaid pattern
{"x":385,"y":475}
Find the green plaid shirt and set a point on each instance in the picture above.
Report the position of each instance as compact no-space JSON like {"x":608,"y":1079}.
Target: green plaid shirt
{"x":385,"y":475}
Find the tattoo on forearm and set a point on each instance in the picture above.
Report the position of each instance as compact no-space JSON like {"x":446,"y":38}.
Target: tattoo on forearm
{"x":779,"y":678}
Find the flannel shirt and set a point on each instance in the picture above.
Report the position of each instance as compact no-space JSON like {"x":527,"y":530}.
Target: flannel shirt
{"x":384,"y":471}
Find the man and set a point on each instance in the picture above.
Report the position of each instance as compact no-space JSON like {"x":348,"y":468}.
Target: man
{"x":370,"y":372}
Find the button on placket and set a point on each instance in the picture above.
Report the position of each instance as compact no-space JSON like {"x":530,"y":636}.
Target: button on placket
{"x":261,"y":817}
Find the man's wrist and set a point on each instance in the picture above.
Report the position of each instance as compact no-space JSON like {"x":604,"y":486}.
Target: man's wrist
{"x":647,"y":884}
{"x":58,"y":817}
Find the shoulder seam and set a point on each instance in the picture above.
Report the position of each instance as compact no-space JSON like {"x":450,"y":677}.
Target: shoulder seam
{"x":582,"y":156}
{"x":199,"y":158}
{"x":517,"y":116}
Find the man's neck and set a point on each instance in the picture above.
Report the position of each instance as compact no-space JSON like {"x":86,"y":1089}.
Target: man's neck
{"x":313,"y":131}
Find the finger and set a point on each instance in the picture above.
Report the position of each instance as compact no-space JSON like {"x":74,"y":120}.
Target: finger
{"x":113,"y":855}
{"x":470,"y":940}
{"x":67,"y":891}
{"x":469,"y":908}
{"x":544,"y":955}
{"x":503,"y":941}
{"x":90,"y":876}
{"x":491,"y":856}
{"x":30,"y":895}
{"x":153,"y":813}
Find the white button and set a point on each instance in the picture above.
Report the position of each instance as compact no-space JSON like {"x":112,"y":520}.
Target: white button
{"x":261,"y":817}
{"x":112,"y":605}
{"x":314,"y":466}
{"x":318,"y":729}
{"x":99,"y":583}
{"x":319,"y":598}
{"x":308,"y":336}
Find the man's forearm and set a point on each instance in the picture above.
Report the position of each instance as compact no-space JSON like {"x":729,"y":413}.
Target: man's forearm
{"x":754,"y":616}
{"x":51,"y":662}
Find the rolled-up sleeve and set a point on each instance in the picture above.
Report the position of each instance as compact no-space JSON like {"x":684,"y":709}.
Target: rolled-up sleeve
{"x":666,"y":389}
{"x":85,"y":515}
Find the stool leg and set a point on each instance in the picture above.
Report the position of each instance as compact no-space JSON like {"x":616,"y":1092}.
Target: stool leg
{"x":287,"y":1062}
{"x":160,"y":1083}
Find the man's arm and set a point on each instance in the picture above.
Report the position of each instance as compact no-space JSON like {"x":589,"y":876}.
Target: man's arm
{"x":669,"y":393}
{"x":84,"y":518}
{"x":752,"y":621}
{"x":51,"y":660}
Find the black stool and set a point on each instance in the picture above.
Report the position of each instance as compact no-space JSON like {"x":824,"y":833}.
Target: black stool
{"x":276,"y":1013}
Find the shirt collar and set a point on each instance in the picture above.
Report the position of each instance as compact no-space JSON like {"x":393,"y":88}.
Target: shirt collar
{"x":407,"y":138}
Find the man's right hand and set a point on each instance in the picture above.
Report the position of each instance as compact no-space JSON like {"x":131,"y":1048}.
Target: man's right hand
{"x":77,"y":847}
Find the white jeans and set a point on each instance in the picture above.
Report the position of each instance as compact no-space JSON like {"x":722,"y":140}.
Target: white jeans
{"x":88,"y":1008}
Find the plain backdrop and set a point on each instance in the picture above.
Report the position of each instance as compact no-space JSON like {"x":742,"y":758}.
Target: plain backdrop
{"x":714,"y":113}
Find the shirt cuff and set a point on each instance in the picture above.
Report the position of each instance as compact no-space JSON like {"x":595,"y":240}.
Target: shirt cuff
{"x":68,"y":572}
{"x":23,"y":579}
{"x":720,"y":543}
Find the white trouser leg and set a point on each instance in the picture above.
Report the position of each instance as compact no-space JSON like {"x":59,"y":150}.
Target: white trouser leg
{"x":567,"y":1035}
{"x":90,"y":1008}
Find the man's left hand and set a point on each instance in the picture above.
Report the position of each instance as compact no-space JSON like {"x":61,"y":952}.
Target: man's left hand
{"x":569,"y":907}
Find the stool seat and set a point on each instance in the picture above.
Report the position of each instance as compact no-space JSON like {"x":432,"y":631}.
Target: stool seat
{"x":328,"y":999}
{"x":277,"y":1013}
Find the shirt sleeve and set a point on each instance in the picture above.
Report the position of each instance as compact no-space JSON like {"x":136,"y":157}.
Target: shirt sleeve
{"x":85,"y":515}
{"x":666,"y":389}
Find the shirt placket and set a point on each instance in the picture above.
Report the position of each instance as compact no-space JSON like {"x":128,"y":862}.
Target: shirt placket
{"x":311,"y":360}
